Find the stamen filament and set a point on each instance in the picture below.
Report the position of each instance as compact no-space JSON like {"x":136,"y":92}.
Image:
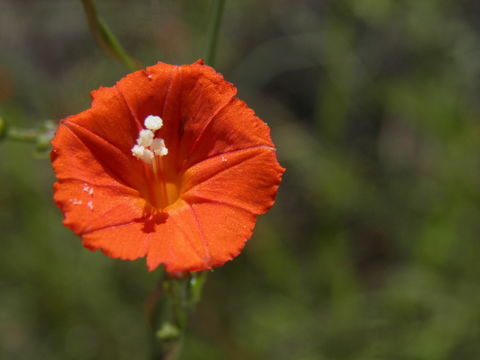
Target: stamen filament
{"x":158,"y":164}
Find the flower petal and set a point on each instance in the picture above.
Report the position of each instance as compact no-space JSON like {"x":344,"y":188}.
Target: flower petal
{"x":109,"y":118}
{"x":200,"y":236}
{"x":167,"y":240}
{"x":193,"y":237}
{"x":246,"y":178}
{"x":145,"y":91}
{"x":226,"y":229}
{"x":83,"y":156}
{"x":186,"y":97}
{"x":89,"y":207}
{"x":125,"y":241}
{"x":205,"y":94}
{"x":235,"y":127}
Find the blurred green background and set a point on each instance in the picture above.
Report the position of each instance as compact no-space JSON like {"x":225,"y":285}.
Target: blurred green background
{"x":371,"y":251}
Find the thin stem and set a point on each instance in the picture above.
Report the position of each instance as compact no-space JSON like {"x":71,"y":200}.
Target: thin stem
{"x":214,"y":27}
{"x":169,"y":308}
{"x":3,"y":128}
{"x":105,"y":37}
{"x":25,"y":135}
{"x":40,"y":136}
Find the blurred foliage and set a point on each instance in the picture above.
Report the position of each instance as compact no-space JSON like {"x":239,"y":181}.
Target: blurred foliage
{"x":371,"y":250}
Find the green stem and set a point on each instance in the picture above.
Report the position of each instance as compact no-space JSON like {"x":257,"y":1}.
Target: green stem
{"x":214,"y":27}
{"x":170,"y":306}
{"x":40,"y":136}
{"x":105,"y":37}
{"x":25,"y":135}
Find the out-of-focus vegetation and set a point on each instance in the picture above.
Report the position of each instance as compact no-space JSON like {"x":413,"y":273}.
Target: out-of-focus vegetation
{"x":372,"y":249}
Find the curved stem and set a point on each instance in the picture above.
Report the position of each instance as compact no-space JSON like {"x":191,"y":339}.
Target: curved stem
{"x":105,"y":37}
{"x":214,"y":27}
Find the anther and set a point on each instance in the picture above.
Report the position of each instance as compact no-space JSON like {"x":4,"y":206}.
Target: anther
{"x":153,"y":122}
{"x":145,"y":138}
{"x":143,"y":154}
{"x":148,"y":146}
{"x":158,"y":147}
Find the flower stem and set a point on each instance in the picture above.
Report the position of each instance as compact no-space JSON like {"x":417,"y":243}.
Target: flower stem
{"x":214,"y":27}
{"x":41,"y":136}
{"x":168,"y":308}
{"x":24,"y":135}
{"x":105,"y":37}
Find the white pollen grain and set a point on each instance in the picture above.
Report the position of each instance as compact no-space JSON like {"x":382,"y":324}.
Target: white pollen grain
{"x":88,"y":189}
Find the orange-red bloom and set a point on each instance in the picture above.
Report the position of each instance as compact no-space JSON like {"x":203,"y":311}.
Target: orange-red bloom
{"x":167,"y":164}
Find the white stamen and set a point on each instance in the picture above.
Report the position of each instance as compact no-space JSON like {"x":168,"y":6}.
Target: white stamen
{"x":143,"y":154}
{"x":147,"y":156}
{"x":145,"y":138}
{"x":90,"y":205}
{"x":153,"y":122}
{"x":159,"y":148}
{"x":148,"y":146}
{"x":137,"y":151}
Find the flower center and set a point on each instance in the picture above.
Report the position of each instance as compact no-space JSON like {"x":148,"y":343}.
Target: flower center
{"x":151,"y":150}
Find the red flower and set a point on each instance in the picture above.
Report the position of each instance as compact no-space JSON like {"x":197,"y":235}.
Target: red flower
{"x":167,"y":164}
